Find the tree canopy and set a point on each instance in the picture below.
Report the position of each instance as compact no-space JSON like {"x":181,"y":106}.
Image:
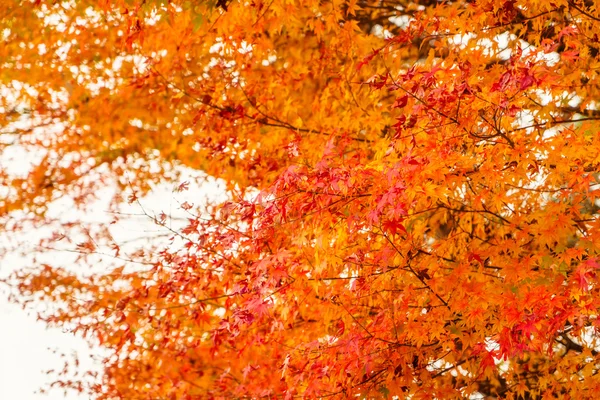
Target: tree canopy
{"x":412,"y":192}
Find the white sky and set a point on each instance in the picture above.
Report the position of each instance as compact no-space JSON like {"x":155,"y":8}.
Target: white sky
{"x":26,"y":344}
{"x":25,"y":354}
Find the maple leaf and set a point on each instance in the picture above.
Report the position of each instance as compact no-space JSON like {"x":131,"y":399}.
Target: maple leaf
{"x":258,"y":306}
{"x":526,"y":82}
{"x":401,"y":102}
{"x":394,"y":226}
{"x":182,"y":187}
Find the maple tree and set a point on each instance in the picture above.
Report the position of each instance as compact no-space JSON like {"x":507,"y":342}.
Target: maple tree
{"x":412,"y":191}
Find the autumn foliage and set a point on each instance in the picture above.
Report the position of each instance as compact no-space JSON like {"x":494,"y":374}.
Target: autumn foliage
{"x":412,"y":193}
